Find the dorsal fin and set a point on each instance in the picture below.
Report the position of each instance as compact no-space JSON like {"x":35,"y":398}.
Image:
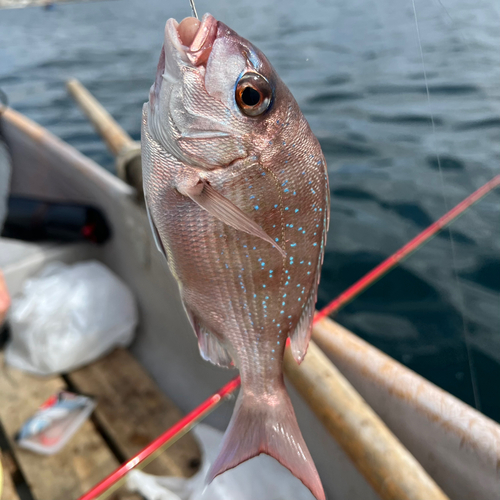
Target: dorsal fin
{"x":299,"y":338}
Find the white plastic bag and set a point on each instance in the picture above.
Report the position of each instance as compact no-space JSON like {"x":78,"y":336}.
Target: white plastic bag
{"x":262,"y":477}
{"x":68,"y":316}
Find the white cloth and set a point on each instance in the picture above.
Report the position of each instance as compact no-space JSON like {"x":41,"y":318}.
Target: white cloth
{"x":259,"y":478}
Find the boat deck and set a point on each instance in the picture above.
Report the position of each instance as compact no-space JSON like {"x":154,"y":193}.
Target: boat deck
{"x":130,"y":413}
{"x":131,"y":410}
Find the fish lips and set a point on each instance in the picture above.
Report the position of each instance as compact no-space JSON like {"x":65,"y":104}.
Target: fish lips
{"x":174,"y":51}
{"x":198,"y":52}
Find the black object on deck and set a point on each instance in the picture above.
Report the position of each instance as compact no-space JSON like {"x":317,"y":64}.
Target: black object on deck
{"x":39,"y":220}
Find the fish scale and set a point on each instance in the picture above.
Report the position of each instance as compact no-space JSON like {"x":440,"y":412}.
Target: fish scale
{"x":239,"y":205}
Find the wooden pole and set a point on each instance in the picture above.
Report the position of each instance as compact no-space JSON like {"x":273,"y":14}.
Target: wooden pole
{"x":458,"y":445}
{"x":385,"y":463}
{"x":126,"y":150}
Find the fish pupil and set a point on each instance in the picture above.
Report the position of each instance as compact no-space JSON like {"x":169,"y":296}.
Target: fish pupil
{"x":250,"y":96}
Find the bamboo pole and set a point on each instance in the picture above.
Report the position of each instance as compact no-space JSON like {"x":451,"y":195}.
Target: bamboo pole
{"x":459,"y":445}
{"x":126,"y":150}
{"x":385,"y":463}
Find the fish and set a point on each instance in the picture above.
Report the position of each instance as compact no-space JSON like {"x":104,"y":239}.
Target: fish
{"x":237,"y":195}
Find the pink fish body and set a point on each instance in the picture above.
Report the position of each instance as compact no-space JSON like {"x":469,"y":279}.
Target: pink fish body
{"x":237,"y":193}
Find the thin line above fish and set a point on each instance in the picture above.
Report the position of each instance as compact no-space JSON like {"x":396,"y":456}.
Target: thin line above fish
{"x":237,"y":194}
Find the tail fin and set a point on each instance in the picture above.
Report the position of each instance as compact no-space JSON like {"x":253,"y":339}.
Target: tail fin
{"x":269,"y":427}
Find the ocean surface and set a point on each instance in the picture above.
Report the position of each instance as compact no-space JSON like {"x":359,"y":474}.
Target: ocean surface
{"x":356,"y":69}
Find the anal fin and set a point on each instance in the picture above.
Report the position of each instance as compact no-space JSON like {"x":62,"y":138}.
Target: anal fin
{"x":211,"y":348}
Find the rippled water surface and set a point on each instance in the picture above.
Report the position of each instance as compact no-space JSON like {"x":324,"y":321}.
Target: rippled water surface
{"x":356,"y":69}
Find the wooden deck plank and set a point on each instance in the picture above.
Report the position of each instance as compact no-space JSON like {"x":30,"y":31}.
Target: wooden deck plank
{"x":84,"y":461}
{"x":133,"y":411}
{"x":7,"y":490}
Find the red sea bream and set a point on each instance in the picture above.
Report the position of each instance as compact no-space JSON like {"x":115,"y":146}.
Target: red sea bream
{"x":237,"y":193}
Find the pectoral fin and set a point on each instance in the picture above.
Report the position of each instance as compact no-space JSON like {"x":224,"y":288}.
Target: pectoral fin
{"x":226,"y":211}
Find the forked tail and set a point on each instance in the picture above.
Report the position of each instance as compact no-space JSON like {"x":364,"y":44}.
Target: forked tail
{"x":267,"y":426}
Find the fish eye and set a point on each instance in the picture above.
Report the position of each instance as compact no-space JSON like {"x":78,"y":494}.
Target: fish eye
{"x":253,"y":94}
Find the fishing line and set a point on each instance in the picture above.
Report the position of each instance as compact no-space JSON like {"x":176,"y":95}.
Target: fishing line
{"x":193,"y":8}
{"x":475,"y":390}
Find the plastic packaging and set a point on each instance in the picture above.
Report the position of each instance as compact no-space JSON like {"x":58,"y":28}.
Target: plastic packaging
{"x":262,"y":477}
{"x":55,"y":422}
{"x":69,"y":316}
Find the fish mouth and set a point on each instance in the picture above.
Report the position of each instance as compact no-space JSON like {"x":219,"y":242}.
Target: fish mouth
{"x":193,"y":39}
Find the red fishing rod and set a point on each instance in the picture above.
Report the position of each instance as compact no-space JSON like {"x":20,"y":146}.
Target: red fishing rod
{"x":189,"y":421}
